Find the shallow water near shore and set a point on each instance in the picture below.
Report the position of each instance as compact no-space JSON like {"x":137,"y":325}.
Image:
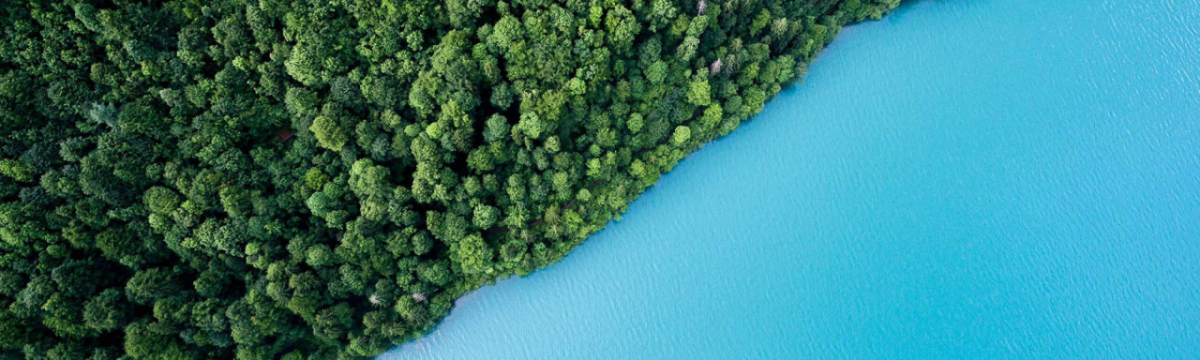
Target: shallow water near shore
{"x":971,"y":179}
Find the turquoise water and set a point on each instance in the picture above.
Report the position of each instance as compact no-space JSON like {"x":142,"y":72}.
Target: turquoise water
{"x":972,"y":179}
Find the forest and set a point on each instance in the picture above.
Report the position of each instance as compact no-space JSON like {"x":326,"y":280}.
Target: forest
{"x":321,"y":179}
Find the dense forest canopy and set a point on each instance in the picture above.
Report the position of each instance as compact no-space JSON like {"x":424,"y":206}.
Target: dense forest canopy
{"x":321,"y":179}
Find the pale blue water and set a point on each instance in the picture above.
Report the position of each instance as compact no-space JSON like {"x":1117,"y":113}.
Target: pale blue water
{"x":971,"y":179}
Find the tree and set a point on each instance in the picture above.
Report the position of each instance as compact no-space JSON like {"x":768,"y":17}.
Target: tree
{"x":681,"y":135}
{"x":147,"y":285}
{"x":107,"y":311}
{"x":484,"y":216}
{"x":329,"y":132}
{"x":698,"y":93}
{"x":473,"y":255}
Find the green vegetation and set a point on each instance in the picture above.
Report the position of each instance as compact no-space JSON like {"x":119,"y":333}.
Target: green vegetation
{"x":291,"y":179}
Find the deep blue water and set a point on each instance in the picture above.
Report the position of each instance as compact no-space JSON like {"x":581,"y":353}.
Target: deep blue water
{"x":971,"y":179}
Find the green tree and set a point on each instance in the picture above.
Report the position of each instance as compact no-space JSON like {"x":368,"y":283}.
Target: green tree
{"x":329,"y":133}
{"x":473,"y":255}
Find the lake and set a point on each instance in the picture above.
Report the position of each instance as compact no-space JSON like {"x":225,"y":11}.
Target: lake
{"x":971,"y":179}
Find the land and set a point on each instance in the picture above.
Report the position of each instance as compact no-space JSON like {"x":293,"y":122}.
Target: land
{"x":292,"y":180}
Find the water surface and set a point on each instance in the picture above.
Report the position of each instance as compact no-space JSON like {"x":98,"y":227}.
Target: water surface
{"x":971,"y":179}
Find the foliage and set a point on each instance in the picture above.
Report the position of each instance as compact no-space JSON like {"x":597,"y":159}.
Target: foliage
{"x":287,"y":179}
